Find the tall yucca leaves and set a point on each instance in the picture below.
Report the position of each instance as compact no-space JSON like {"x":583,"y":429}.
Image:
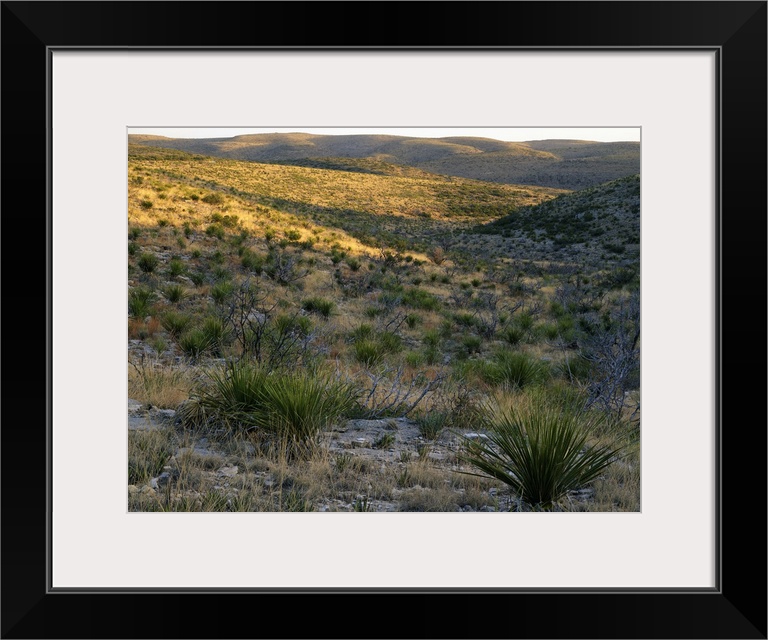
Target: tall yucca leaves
{"x":294,"y":404}
{"x":514,"y":369}
{"x":232,"y":396}
{"x":540,"y":451}
{"x":300,"y":405}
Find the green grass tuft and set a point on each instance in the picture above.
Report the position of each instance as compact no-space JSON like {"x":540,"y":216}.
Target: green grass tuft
{"x":140,"y":301}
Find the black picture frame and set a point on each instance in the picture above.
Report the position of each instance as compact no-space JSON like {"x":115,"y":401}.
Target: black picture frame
{"x":735,"y":609}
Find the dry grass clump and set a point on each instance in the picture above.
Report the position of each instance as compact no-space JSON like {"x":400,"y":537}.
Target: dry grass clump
{"x":152,"y":382}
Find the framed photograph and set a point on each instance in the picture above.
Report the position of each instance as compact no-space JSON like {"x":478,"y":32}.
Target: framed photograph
{"x":126,"y":115}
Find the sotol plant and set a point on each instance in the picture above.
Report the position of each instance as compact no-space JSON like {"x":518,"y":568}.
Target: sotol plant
{"x":148,"y":262}
{"x":295,"y":405}
{"x":541,"y":451}
{"x":140,"y":301}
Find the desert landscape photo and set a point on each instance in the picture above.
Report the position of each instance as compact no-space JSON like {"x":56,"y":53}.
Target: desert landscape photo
{"x":383,"y":322}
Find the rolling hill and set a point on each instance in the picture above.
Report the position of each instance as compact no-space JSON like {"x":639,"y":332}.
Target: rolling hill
{"x":558,"y":164}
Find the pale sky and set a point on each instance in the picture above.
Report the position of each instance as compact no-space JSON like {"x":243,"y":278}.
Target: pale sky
{"x":511,"y":134}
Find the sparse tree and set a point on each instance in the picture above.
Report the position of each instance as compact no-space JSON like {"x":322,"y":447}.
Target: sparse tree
{"x":614,"y":352}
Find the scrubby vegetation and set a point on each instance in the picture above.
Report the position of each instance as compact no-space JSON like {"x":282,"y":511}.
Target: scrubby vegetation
{"x":348,"y":334}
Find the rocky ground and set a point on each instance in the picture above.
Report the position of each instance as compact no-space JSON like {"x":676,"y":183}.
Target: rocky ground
{"x":390,"y":446}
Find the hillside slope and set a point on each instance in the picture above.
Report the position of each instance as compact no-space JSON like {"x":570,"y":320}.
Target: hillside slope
{"x":394,"y":206}
{"x":591,"y":225}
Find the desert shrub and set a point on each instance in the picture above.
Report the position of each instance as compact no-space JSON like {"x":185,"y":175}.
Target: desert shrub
{"x":431,"y":355}
{"x":222,"y":291}
{"x":175,"y":323}
{"x":228,"y":397}
{"x":231,"y":221}
{"x":220,"y":272}
{"x":146,"y":204}
{"x":576,"y":368}
{"x":524,"y":321}
{"x":621,"y":276}
{"x":194,"y":343}
{"x":295,"y":500}
{"x":295,"y":405}
{"x":556,"y":309}
{"x":446,"y":329}
{"x":216,"y":332}
{"x":465,"y":319}
{"x":368,"y":352}
{"x":414,"y":359}
{"x":420,"y":299}
{"x":548,"y":331}
{"x":252,"y":261}
{"x":176,"y":267}
{"x":285,"y":324}
{"x":431,"y":338}
{"x":320,"y":306}
{"x":337,"y":255}
{"x":412,"y":320}
{"x":215,"y":230}
{"x":390,"y":342}
{"x":175,"y":293}
{"x":140,"y":301}
{"x":566,"y":329}
{"x":213,"y":198}
{"x":512,"y":335}
{"x":363,"y":332}
{"x":293,"y":235}
{"x":159,"y":344}
{"x":471,"y":344}
{"x":432,"y":424}
{"x":513,"y":369}
{"x":540,"y":450}
{"x":148,"y":262}
{"x":384,"y":441}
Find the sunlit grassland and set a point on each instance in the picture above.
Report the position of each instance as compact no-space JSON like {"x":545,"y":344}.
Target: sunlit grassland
{"x":371,"y":207}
